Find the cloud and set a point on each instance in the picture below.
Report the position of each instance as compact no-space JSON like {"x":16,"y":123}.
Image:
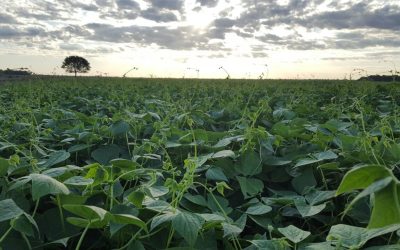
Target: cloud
{"x":180,"y":38}
{"x":208,"y":3}
{"x":158,"y":15}
{"x":71,"y":47}
{"x":87,"y":7}
{"x":8,"y":32}
{"x":289,"y":25}
{"x":7,"y":19}
{"x":358,"y":16}
{"x":127,"y":4}
{"x":167,"y":4}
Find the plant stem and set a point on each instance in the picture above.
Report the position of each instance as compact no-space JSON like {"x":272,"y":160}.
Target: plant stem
{"x":5,"y":234}
{"x":36,"y":207}
{"x":60,"y":212}
{"x":111,"y":189}
{"x":27,"y":241}
{"x":171,"y":234}
{"x":82,"y":236}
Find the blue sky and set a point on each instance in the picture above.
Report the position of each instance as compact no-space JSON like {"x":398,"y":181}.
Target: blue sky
{"x":176,"y":38}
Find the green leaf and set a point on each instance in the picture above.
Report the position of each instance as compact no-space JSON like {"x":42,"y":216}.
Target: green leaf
{"x":124,"y":164}
{"x":327,"y":155}
{"x":355,"y":237}
{"x":105,"y":154}
{"x":258,"y":209}
{"x":136,"y":198}
{"x":317,"y":246}
{"x":4,"y":164}
{"x":385,"y":247}
{"x":250,"y":164}
{"x":317,"y":157}
{"x":221,"y":186}
{"x":128,"y":219}
{"x":307,"y":210}
{"x":250,"y":186}
{"x":336,"y":125}
{"x":212,"y":217}
{"x":188,"y":226}
{"x":386,"y":210}
{"x":216,"y":174}
{"x":226,"y":141}
{"x":136,"y":245}
{"x":80,"y":222}
{"x":230,"y":229}
{"x":223,"y":154}
{"x":217,"y":203}
{"x":96,"y":172}
{"x":87,"y":212}
{"x":317,"y":196}
{"x":196,"y":199}
{"x":118,"y":128}
{"x":362,"y":177}
{"x":157,"y":191}
{"x":329,"y":166}
{"x":294,"y":234}
{"x":270,"y":244}
{"x":55,"y":172}
{"x":304,"y":181}
{"x":158,"y":205}
{"x":160,"y":219}
{"x":9,"y":210}
{"x":306,"y":161}
{"x":78,"y":147}
{"x":374,"y":187}
{"x":78,"y":181}
{"x":275,"y":161}
{"x":43,"y":185}
{"x":55,"y":158}
{"x":25,"y":224}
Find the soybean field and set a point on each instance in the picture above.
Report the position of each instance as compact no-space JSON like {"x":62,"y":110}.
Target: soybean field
{"x":117,"y":163}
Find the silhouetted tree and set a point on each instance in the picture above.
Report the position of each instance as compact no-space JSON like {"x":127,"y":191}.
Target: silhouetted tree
{"x":75,"y":64}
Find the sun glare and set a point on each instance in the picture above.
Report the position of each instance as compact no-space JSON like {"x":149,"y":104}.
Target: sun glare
{"x":199,"y":19}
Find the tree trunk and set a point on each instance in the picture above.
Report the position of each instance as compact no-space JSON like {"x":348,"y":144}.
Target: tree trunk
{"x":75,"y":73}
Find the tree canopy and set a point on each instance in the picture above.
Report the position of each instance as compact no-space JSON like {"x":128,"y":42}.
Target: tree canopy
{"x":75,"y":64}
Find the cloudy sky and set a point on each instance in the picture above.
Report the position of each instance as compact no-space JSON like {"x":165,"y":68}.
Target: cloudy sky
{"x":176,"y":38}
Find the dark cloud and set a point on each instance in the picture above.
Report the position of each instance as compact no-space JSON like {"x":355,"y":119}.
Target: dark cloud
{"x":104,"y":3}
{"x":37,"y":15}
{"x":127,"y":4}
{"x":384,"y":54}
{"x":167,"y":4}
{"x":164,"y":37}
{"x":158,"y":15}
{"x":208,"y":3}
{"x":7,"y":32}
{"x":365,"y":42}
{"x":120,"y":14}
{"x":87,"y":7}
{"x":358,"y":16}
{"x":71,"y":47}
{"x":7,"y":19}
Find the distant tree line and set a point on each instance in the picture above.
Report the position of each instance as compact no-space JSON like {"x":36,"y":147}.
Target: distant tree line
{"x":16,"y":72}
{"x":381,"y":78}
